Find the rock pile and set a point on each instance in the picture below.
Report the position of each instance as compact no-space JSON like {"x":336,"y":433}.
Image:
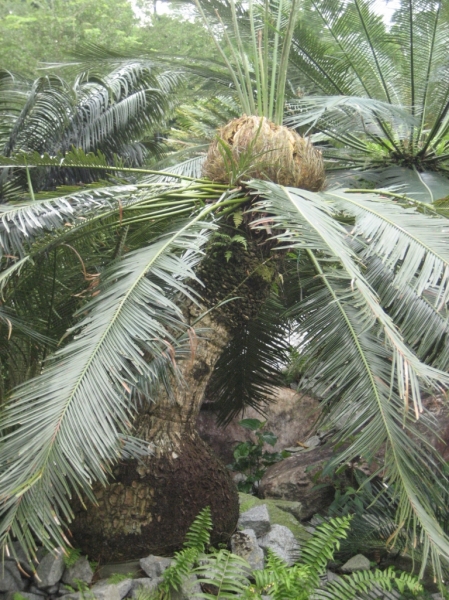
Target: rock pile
{"x":261,"y":527}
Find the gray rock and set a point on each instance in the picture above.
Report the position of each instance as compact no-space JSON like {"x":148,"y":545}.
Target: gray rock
{"x":356,"y":563}
{"x":281,"y":541}
{"x":289,"y":506}
{"x":130,"y":568}
{"x":331,"y":576}
{"x":10,"y":578}
{"x":238,"y":478}
{"x":124,"y":587}
{"x":244,"y":544}
{"x":52,"y":589}
{"x":66,"y":589}
{"x":80,"y":571}
{"x":25,"y":595}
{"x":313,"y":442}
{"x":50,"y":570}
{"x":104,"y":591}
{"x":74,"y":596}
{"x":18,"y":555}
{"x":257,"y":519}
{"x":154,"y":566}
{"x":295,"y":478}
{"x":189,"y":588}
{"x":310,"y":529}
{"x":35,"y":590}
{"x":143,"y":583}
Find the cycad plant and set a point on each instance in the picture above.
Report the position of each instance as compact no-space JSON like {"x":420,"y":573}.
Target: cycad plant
{"x":119,"y":113}
{"x":376,"y":92}
{"x":162,"y":287}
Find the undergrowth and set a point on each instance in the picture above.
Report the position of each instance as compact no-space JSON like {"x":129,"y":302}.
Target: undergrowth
{"x":217,"y":574}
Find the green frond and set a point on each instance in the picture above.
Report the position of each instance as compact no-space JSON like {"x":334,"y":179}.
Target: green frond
{"x":74,"y":414}
{"x":320,"y":549}
{"x":198,"y":535}
{"x":378,"y":369}
{"x":353,"y":53}
{"x":412,"y":245}
{"x":250,"y":364}
{"x":21,"y":224}
{"x":361,"y":582}
{"x":227,"y":572}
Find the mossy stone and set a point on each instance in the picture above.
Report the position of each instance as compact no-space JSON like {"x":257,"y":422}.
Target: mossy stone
{"x":280,"y":514}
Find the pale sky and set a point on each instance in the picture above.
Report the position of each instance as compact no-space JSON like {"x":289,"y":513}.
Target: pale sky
{"x":383,"y":7}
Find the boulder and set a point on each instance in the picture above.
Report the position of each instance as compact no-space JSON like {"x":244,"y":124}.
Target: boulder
{"x":130,"y":568}
{"x":282,"y":542}
{"x":18,"y":555}
{"x":10,"y":578}
{"x":278,"y":514}
{"x":244,"y":544}
{"x":289,"y":415}
{"x":80,"y":571}
{"x":356,"y":563}
{"x":106,"y":591}
{"x":190,"y":588}
{"x":257,"y":519}
{"x":144,"y":584}
{"x":154,"y":566}
{"x":124,"y":587}
{"x":294,"y":479}
{"x":50,"y":570}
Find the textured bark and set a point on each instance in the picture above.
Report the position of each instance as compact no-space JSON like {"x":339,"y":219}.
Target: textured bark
{"x":149,"y":505}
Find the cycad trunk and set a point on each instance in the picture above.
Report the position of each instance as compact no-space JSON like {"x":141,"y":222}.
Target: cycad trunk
{"x":149,"y":506}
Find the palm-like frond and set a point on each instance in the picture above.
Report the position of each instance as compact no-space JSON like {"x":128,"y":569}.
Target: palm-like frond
{"x":396,"y":233}
{"x":116,"y":114}
{"x":21,"y":224}
{"x":405,"y":66}
{"x":371,"y":381}
{"x":54,"y":421}
{"x":362,"y":582}
{"x":250,"y":364}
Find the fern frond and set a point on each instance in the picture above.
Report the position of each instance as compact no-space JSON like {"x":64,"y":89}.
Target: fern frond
{"x":198,"y":535}
{"x":177,"y":572}
{"x":361,"y":582}
{"x":325,"y":541}
{"x":226,"y":571}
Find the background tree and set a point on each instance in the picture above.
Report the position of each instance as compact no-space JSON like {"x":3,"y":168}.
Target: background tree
{"x":33,"y":32}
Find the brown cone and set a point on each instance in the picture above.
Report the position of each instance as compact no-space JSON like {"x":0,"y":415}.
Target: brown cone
{"x":255,"y":148}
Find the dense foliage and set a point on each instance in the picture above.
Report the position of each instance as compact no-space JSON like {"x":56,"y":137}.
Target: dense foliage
{"x":102,"y":271}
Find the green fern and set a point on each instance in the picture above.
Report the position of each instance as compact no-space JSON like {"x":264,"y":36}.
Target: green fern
{"x":173,"y":577}
{"x":118,"y":577}
{"x":197,"y":539}
{"x":198,"y":535}
{"x":282,"y":582}
{"x":361,"y":582}
{"x":320,"y":549}
{"x":72,"y":556}
{"x":225,"y":571}
{"x":231,"y":576}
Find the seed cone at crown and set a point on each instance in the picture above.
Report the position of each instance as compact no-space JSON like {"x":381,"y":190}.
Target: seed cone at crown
{"x":253,"y":147}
